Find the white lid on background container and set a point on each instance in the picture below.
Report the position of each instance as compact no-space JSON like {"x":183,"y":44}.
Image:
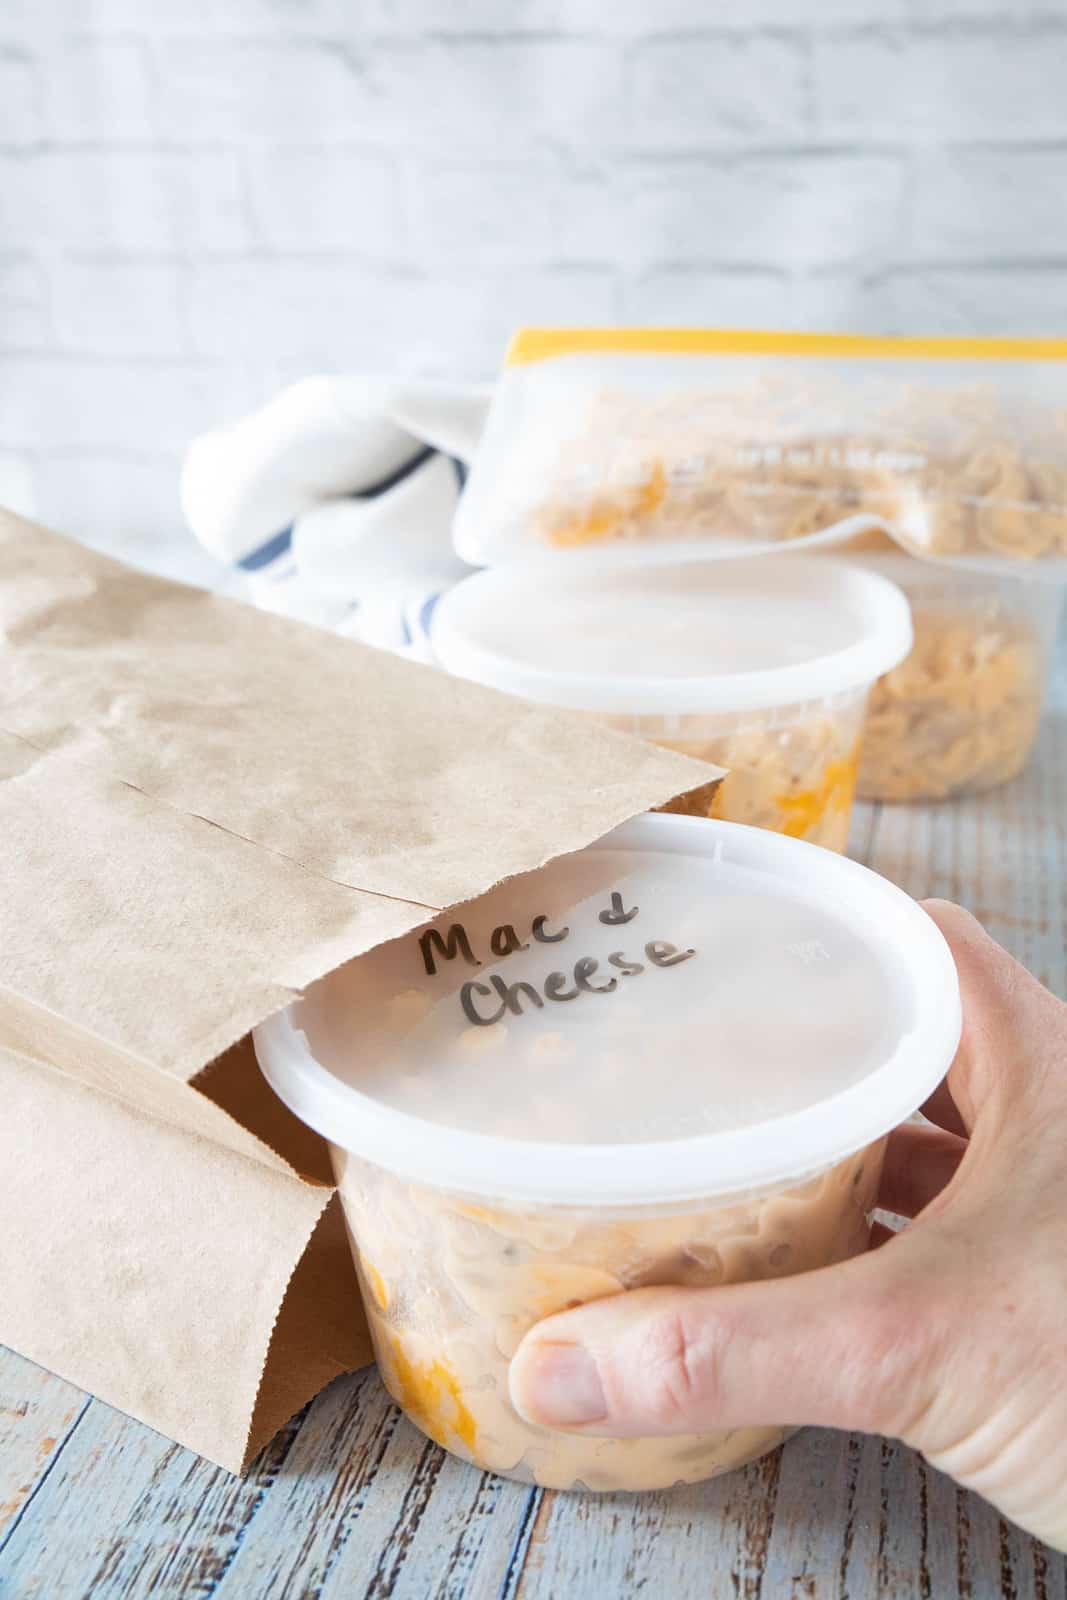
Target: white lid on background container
{"x":672,"y":631}
{"x":727,"y":1009}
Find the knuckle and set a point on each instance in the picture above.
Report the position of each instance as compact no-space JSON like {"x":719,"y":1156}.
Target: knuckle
{"x":677,"y":1372}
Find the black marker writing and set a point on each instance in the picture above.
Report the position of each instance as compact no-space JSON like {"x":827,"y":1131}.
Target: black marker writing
{"x":511,"y":994}
{"x":454,"y":943}
{"x":511,"y":997}
{"x":470,"y":1010}
{"x":521,"y":996}
{"x":505,"y":941}
{"x":664,"y":954}
{"x":626,"y":967}
{"x":537,"y":928}
{"x":616,"y":914}
{"x":583,"y":971}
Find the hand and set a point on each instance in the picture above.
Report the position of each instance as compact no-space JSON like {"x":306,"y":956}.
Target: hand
{"x":950,"y":1335}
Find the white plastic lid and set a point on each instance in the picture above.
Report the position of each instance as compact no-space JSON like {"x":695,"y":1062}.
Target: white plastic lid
{"x":672,"y":631}
{"x":695,"y":1008}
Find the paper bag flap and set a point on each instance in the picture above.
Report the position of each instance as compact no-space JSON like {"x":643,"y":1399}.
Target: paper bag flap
{"x":205,"y":808}
{"x":204,"y":1293}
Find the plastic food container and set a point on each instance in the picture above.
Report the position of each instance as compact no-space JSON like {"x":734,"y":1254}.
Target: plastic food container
{"x":575,"y":1086}
{"x":960,"y":714}
{"x":761,"y":665}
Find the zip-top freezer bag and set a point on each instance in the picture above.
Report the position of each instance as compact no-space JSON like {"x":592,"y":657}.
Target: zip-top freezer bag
{"x":957,"y":447}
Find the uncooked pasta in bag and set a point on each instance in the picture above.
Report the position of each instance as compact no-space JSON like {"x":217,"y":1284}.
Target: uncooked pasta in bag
{"x":955,"y":447}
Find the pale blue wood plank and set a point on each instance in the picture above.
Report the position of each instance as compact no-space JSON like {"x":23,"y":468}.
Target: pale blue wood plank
{"x":816,"y":1516}
{"x":38,"y":1414}
{"x":364,"y":1505}
{"x":688,"y":1543}
{"x":125,"y":1512}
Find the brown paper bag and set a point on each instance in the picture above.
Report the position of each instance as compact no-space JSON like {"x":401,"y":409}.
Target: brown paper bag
{"x":203,"y":809}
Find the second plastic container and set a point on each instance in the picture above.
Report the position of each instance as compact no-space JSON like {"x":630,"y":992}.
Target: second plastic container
{"x":960,"y":714}
{"x":760,"y":665}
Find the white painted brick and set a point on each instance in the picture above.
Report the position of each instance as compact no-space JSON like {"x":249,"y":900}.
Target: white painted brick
{"x":127,"y":509}
{"x":17,"y":490}
{"x":513,"y":213}
{"x":282,"y":91}
{"x":751,"y":298}
{"x":20,"y":98}
{"x":123,"y":200}
{"x":698,"y":89}
{"x":323,"y":198}
{"x":991,"y":205}
{"x":1023,"y":13}
{"x":24,"y":311}
{"x":57,"y":402}
{"x":120,"y":308}
{"x":624,"y":17}
{"x":995,"y":84}
{"x":277,"y":309}
{"x":99,"y":89}
{"x":331,"y":316}
{"x":1008,"y":301}
{"x":464,"y":323}
{"x":765,"y":210}
{"x":707,"y":298}
{"x":17,"y":18}
{"x":219,"y":17}
{"x":485,"y":97}
{"x":834,"y":302}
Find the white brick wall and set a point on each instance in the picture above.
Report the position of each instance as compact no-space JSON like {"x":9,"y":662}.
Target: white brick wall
{"x":201,"y":199}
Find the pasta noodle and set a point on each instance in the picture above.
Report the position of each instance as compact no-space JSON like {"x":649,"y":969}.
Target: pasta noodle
{"x":597,"y":435}
{"x":952,"y":474}
{"x":795,"y":775}
{"x":959,"y":715}
{"x":451,"y":1286}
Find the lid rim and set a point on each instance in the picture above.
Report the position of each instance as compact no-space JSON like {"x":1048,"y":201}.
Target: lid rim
{"x":887,"y":641}
{"x":620,"y":1175}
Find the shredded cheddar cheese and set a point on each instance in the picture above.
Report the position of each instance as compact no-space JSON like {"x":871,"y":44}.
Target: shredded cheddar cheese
{"x":378,"y":1286}
{"x":798,"y":778}
{"x":805,"y":810}
{"x":430,"y":1393}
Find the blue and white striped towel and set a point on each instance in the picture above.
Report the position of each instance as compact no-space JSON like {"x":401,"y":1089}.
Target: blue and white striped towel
{"x":335,"y":501}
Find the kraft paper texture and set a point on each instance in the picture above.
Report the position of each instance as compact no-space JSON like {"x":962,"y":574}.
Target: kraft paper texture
{"x":203,"y":809}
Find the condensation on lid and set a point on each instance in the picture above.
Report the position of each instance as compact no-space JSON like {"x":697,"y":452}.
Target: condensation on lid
{"x":660,"y":630}
{"x":685,"y":1007}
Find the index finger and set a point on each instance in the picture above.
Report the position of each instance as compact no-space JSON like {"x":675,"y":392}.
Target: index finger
{"x":1013,"y":1052}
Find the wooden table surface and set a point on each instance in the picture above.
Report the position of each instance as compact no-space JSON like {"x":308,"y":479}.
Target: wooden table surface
{"x":349,"y":1501}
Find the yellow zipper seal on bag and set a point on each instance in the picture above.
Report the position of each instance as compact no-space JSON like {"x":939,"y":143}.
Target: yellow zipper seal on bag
{"x":546,"y":344}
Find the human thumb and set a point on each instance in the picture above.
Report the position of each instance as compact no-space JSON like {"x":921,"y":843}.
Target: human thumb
{"x":849,"y":1346}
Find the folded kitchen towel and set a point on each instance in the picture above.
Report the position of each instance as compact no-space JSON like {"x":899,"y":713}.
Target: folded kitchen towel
{"x":335,"y":500}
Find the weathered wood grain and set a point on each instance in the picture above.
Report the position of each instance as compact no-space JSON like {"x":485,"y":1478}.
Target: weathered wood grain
{"x":126,"y":1512}
{"x":350,"y":1501}
{"x":38,"y":1413}
{"x":701,"y":1540}
{"x":830,"y":1517}
{"x":364,"y":1505}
